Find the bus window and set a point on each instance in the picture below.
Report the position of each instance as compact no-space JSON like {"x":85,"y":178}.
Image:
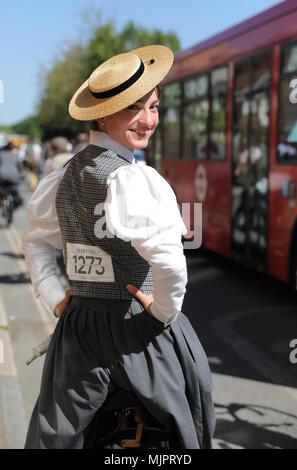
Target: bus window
{"x":261,"y":72}
{"x":196,"y":88}
{"x":195,"y":117}
{"x":242,"y":77}
{"x":170,"y":115}
{"x":195,"y":130}
{"x":217,"y":145}
{"x":250,"y":157}
{"x":289,"y":58}
{"x":241,"y":109}
{"x":287,"y":124}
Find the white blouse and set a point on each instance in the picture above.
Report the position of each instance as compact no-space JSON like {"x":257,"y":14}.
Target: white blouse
{"x":151,"y":221}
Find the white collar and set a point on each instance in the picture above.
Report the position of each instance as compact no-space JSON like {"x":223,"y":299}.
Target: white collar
{"x":101,"y":139}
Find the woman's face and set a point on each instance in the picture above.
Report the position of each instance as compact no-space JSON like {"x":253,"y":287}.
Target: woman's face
{"x":133,"y":126}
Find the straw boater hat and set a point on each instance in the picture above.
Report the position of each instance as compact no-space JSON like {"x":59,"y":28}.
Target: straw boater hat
{"x":120,"y":81}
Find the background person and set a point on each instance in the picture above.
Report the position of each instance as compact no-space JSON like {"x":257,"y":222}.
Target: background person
{"x":58,"y":155}
{"x":10,"y":172}
{"x":80,"y":142}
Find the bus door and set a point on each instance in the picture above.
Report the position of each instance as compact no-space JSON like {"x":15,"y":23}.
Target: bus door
{"x":250,"y":158}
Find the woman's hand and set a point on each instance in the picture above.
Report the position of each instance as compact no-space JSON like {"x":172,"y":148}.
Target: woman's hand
{"x":59,"y":309}
{"x":145,"y":300}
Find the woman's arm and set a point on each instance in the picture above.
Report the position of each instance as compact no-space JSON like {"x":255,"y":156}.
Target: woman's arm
{"x":41,"y":240}
{"x":142,"y":208}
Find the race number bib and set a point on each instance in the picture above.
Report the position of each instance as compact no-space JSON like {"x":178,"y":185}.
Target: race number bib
{"x":88,"y":263}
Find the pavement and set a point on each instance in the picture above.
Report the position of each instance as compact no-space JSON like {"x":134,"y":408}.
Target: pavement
{"x":266,"y":421}
{"x":246,"y":322}
{"x":24,"y":323}
{"x":12,"y":412}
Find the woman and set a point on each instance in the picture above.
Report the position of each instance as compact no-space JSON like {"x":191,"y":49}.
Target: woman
{"x":120,"y":325}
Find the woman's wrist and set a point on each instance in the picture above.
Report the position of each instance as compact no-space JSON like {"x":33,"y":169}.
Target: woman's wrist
{"x":60,"y":307}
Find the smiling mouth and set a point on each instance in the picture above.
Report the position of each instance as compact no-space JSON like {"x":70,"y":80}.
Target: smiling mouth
{"x":140,"y":132}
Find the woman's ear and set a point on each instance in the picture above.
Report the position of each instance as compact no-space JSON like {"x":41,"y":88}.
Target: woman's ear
{"x":101,"y":124}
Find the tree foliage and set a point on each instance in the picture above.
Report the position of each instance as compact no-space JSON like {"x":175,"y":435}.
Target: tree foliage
{"x":29,"y":126}
{"x":75,"y":64}
{"x":60,"y":82}
{"x":106,"y":42}
{"x":7,"y":129}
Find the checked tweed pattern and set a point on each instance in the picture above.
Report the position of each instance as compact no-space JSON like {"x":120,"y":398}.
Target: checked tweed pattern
{"x":83,"y":186}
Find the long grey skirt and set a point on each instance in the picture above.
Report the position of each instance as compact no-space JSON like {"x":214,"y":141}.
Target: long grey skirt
{"x":100,"y":346}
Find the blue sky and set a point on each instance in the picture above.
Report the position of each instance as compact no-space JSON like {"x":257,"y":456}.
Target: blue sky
{"x":32,"y":31}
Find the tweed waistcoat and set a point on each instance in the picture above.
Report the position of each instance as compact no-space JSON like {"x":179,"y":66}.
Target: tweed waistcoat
{"x":97,"y":266}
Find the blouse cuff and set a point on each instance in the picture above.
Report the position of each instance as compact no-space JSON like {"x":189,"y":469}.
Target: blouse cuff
{"x":52,"y":292}
{"x":161,"y":317}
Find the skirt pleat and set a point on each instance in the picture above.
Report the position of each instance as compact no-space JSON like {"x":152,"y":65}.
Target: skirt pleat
{"x":101,"y":346}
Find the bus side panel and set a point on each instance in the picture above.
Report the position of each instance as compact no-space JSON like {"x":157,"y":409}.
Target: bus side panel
{"x":256,"y":39}
{"x":216,"y":230}
{"x":282,"y":214}
{"x":207,"y":183}
{"x":279,"y":253}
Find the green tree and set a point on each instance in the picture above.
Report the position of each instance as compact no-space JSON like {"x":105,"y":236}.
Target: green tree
{"x":7,"y":129}
{"x":76,"y":62}
{"x":29,"y":126}
{"x":106,"y":41}
{"x":60,"y":83}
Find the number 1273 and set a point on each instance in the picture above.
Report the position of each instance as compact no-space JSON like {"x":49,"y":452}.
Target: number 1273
{"x":87,"y":265}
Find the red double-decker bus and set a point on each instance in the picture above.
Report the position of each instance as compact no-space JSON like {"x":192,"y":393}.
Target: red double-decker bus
{"x":228,"y":138}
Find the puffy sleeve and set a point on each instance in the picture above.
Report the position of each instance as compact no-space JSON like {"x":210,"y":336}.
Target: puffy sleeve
{"x":141,"y":207}
{"x":42,"y":238}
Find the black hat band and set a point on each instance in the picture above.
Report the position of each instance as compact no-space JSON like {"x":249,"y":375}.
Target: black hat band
{"x":122,"y":87}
